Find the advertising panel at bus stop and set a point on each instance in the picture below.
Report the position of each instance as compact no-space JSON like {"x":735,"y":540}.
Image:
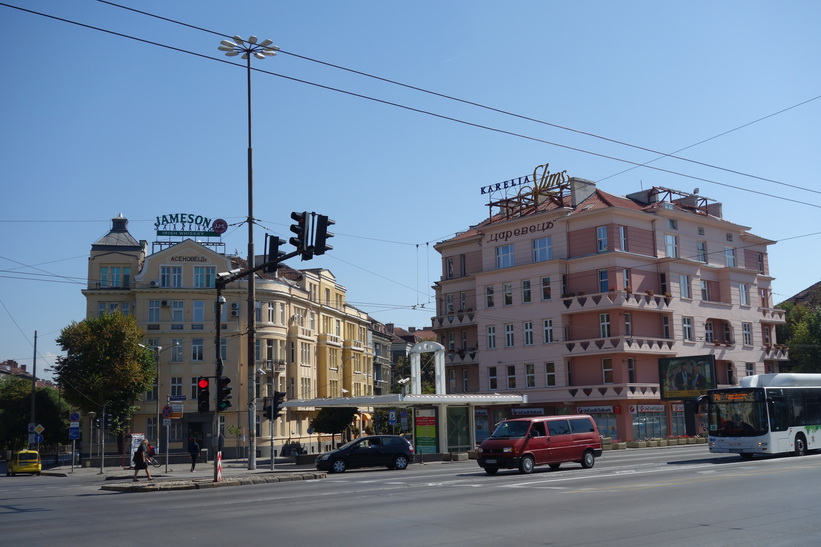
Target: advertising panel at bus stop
{"x":683,"y":378}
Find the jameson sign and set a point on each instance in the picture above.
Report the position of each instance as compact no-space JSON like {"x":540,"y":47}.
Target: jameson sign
{"x":188,"y":224}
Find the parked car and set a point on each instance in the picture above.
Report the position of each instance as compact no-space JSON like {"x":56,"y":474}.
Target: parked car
{"x":24,"y":461}
{"x":391,"y":451}
{"x":524,"y":443}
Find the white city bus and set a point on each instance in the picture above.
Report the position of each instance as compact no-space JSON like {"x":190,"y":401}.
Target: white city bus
{"x":766,"y":414}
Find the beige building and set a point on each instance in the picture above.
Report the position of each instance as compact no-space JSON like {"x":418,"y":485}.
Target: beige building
{"x":309,"y":343}
{"x":571,"y":296}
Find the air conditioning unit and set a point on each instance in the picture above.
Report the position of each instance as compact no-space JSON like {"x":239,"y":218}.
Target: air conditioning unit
{"x":234,"y":305}
{"x":164,"y":303}
{"x":155,"y":284}
{"x":234,"y":313}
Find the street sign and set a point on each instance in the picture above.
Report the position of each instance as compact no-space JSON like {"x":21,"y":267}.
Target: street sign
{"x":176,"y":410}
{"x":39,"y":429}
{"x":74,"y":425}
{"x":166,"y":411}
{"x":166,"y":422}
{"x":38,"y":438}
{"x":177,"y":398}
{"x":74,"y":433}
{"x":31,"y":427}
{"x":74,"y":417}
{"x":392,"y":417}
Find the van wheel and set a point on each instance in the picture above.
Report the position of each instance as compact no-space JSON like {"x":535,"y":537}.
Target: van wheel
{"x":555,"y":465}
{"x":491,"y":470}
{"x":800,"y":445}
{"x":526,"y":465}
{"x":588,"y":459}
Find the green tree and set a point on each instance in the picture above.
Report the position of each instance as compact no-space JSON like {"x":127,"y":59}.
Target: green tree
{"x":105,"y":364}
{"x":15,"y":414}
{"x":333,"y":420}
{"x":802,"y":334}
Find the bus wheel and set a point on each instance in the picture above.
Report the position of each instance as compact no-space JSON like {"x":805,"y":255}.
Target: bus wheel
{"x":746,"y":456}
{"x":800,"y":445}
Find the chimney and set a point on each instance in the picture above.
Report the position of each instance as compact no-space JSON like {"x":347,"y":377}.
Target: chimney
{"x":580,"y":190}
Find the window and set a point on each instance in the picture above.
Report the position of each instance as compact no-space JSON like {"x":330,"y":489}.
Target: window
{"x":525,"y":291}
{"x":603,"y":284}
{"x":504,"y":256}
{"x":601,"y":239}
{"x":507,"y":297}
{"x":549,"y":374}
{"x":463,"y":302}
{"x":728,"y":332}
{"x":684,"y":286}
{"x":701,"y":230}
{"x":464,"y":381}
{"x":176,"y":386}
{"x":665,"y":326}
{"x":569,"y":366}
{"x":628,"y":324}
{"x":489,"y":297}
{"x":625,"y":278}
{"x":204,"y":277}
{"x":449,"y":267}
{"x":672,"y":223}
{"x":631,"y":370}
{"x":176,"y":350}
{"x":747,"y":333}
{"x":177,"y":311}
{"x":729,"y":257}
{"x":492,"y":380}
{"x":451,"y":342}
{"x":701,"y":249}
{"x":687,"y":329}
{"x":542,"y":249}
{"x":729,"y":237}
{"x":607,"y":370}
{"x":509,"y":335}
{"x":511,"y":376}
{"x":528,"y":332}
{"x":623,"y":238}
{"x":463,"y":268}
{"x":548,"y":331}
{"x":198,"y":315}
{"x":671,"y":245}
{"x":760,"y":262}
{"x":750,"y":368}
{"x":765,"y":333}
{"x":171,"y":277}
{"x":491,"y":337}
{"x":153,"y":311}
{"x":705,"y":290}
{"x":709,"y":336}
{"x":194,"y":388}
{"x":604,"y":325}
{"x":448,"y":303}
{"x":546,"y":288}
{"x":743,"y":294}
{"x":530,"y":375}
{"x":197,"y":349}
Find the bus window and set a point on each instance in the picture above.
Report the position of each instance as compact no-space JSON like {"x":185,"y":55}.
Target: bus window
{"x":780,"y":414}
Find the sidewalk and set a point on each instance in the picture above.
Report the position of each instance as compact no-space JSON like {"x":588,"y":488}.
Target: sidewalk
{"x":180,"y":477}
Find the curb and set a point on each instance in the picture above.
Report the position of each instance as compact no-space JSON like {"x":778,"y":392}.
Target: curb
{"x":200,"y":484}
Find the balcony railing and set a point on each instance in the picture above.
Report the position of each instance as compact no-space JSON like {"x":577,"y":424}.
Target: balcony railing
{"x":465,"y":317}
{"x":616,"y":299}
{"x":640,"y":344}
{"x":593,"y":393}
{"x":773,"y":315}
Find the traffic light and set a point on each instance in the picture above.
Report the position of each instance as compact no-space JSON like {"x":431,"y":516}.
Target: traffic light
{"x":322,"y":234}
{"x":276,"y":406}
{"x":300,"y":228}
{"x":97,"y":423}
{"x":267,"y":409}
{"x":223,"y":393}
{"x":273,"y":255}
{"x":203,"y":395}
{"x":109,"y":421}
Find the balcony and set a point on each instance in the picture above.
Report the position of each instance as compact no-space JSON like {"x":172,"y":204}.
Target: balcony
{"x":773,"y":315}
{"x":620,"y":344}
{"x":458,"y":318}
{"x":593,"y":394}
{"x":776,"y":353}
{"x":462,"y":357}
{"x":616,"y":299}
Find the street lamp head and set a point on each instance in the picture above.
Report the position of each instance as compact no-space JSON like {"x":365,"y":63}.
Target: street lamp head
{"x":252,"y":46}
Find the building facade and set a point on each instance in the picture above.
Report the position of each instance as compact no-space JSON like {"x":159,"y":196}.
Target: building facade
{"x":309,"y":343}
{"x":572,"y":295}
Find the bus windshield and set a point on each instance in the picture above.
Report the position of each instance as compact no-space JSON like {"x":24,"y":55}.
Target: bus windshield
{"x":737,"y":413}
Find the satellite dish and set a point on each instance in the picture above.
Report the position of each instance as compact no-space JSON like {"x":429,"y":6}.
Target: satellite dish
{"x":695,"y":190}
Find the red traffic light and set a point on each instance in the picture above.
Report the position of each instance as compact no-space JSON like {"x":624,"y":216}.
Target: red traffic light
{"x":203,"y":383}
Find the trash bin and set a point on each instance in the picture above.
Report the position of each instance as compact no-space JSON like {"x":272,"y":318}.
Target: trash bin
{"x":204,"y":455}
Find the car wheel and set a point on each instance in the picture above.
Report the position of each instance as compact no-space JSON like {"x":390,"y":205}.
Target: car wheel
{"x":491,"y":470}
{"x":588,"y":459}
{"x":338,"y":466}
{"x":526,"y":465}
{"x":800,"y":445}
{"x":555,"y":465}
{"x":400,"y":462}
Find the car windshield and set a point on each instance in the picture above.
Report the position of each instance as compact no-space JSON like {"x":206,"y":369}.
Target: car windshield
{"x":510,"y":429}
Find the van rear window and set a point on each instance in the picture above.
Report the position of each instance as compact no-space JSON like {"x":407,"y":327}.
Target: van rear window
{"x":581,"y":425}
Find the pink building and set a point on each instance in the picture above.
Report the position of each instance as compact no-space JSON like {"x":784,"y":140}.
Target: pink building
{"x":571,"y":296}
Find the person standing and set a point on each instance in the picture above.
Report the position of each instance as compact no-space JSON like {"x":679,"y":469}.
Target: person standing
{"x":141,"y":460}
{"x":193,"y":451}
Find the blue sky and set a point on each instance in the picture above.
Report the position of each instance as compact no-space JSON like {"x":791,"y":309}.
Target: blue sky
{"x":95,"y":124}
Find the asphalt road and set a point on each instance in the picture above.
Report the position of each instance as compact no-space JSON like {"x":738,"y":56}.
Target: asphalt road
{"x":681,"y":496}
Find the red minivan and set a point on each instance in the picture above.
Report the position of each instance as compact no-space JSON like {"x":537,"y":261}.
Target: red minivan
{"x":524,"y":443}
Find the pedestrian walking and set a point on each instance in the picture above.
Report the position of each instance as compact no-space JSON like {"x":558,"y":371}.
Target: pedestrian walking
{"x":194,"y":451}
{"x":141,"y":460}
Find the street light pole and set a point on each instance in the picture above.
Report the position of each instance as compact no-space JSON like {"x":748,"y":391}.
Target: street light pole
{"x":260,"y":50}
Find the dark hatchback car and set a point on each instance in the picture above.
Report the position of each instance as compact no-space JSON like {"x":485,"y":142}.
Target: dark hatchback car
{"x":390,"y":451}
